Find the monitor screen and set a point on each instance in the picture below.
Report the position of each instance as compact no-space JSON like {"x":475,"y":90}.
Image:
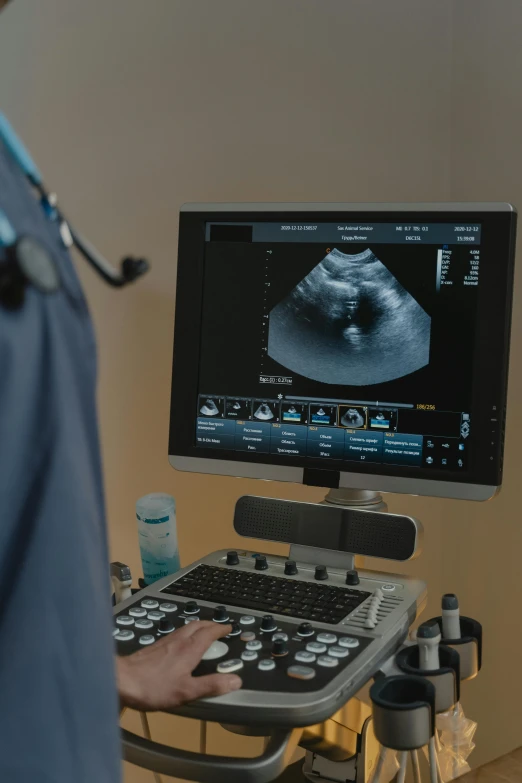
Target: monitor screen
{"x":367,"y":342}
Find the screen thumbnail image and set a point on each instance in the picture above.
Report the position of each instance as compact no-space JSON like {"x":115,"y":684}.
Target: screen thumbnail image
{"x":238,"y":408}
{"x":352,"y":416}
{"x":211,"y":406}
{"x":382,"y":419}
{"x":350,"y":322}
{"x":323,"y":414}
{"x":293,"y":412}
{"x":265,"y":410}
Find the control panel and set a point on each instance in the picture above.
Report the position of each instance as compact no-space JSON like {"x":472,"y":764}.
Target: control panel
{"x":304,"y":637}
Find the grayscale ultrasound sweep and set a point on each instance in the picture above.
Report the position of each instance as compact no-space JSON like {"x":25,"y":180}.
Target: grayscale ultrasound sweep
{"x":350,"y":321}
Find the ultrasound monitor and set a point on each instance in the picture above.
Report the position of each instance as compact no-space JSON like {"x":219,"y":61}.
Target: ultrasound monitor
{"x":344,"y":345}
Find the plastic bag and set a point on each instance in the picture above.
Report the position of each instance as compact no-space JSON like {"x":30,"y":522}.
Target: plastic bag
{"x":454,"y":742}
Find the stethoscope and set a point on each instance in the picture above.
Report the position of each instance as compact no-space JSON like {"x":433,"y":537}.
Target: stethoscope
{"x":27,"y":260}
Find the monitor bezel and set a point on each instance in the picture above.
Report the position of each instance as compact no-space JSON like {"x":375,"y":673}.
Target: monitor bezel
{"x":489,"y":400}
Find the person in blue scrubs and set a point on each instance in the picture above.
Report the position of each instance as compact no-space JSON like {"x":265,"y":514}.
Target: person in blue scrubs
{"x":61,"y":686}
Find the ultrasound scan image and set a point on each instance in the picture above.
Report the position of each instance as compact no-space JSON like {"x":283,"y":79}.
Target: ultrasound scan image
{"x":353,"y":418}
{"x":350,"y":322}
{"x":264,"y":412}
{"x":209,"y":408}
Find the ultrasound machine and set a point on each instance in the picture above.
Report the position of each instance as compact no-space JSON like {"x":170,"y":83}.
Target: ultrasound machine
{"x":362,"y":348}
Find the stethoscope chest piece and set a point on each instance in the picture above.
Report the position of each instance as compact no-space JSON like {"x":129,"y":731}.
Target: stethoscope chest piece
{"x":27,"y":262}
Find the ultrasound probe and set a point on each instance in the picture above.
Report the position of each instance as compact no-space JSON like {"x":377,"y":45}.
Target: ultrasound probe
{"x":428,"y":639}
{"x":450,"y":616}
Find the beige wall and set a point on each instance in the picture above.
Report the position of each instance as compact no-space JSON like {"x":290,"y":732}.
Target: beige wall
{"x":132,"y":108}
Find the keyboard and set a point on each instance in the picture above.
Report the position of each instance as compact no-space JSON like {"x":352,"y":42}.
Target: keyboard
{"x":267,"y":593}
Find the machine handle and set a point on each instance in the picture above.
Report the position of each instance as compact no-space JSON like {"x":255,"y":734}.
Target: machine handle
{"x":208,"y":768}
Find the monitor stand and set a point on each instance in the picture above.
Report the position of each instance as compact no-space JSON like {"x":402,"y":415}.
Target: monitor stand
{"x":366,"y":499}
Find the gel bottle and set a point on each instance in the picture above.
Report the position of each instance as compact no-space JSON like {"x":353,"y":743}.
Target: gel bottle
{"x":158,"y":539}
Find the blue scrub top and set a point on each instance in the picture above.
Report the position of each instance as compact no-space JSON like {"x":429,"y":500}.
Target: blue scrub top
{"x":58,"y":701}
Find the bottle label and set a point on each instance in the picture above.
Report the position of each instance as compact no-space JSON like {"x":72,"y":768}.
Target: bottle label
{"x":158,"y":547}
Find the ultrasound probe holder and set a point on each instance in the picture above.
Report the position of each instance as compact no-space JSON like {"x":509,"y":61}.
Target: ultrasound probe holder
{"x":469,"y":646}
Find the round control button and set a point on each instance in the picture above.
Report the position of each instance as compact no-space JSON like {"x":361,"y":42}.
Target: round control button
{"x":280,"y":635}
{"x":327,"y":638}
{"x":147,"y":638}
{"x":247,"y":619}
{"x":388,"y":588}
{"x":249,"y":655}
{"x":124,"y":635}
{"x":168,"y":607}
{"x":305,"y":657}
{"x":156,"y":616}
{"x":116,"y":631}
{"x":316,"y":648}
{"x":327,"y":661}
{"x":248,"y":636}
{"x":266,"y":665}
{"x":191,"y":620}
{"x":144,"y":624}
{"x":301,"y":672}
{"x":348,"y":641}
{"x":124,"y":620}
{"x":191,"y":607}
{"x":305,"y":629}
{"x":149,"y":603}
{"x":255,"y":645}
{"x":338,"y":652}
{"x":137,"y":611}
{"x":216,"y":650}
{"x":227,"y":667}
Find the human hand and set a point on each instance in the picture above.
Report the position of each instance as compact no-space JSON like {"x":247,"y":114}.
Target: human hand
{"x":159,"y":677}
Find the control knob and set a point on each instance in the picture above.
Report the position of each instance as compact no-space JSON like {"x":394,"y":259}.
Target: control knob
{"x":321,"y":572}
{"x":191,"y":607}
{"x":279,"y":648}
{"x":220,"y":614}
{"x":165,"y":626}
{"x":261,"y":564}
{"x":305,"y":629}
{"x":290,"y":568}
{"x":352,"y":578}
{"x":232,"y":558}
{"x":268,"y":623}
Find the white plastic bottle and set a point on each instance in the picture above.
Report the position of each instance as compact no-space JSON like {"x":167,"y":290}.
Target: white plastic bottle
{"x":156,"y":514}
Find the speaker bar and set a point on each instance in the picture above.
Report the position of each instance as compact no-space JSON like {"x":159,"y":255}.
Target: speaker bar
{"x":358,"y":532}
